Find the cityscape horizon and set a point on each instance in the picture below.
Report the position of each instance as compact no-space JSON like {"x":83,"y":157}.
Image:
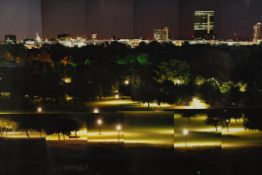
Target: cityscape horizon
{"x":124,"y":19}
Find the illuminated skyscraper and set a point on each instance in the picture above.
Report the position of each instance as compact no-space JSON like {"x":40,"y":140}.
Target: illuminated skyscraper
{"x":204,"y":24}
{"x":161,"y":34}
{"x":257,"y":32}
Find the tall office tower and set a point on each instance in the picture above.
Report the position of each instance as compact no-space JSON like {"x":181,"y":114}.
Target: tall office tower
{"x":204,"y":24}
{"x":21,"y":18}
{"x":257,"y":32}
{"x":161,"y":34}
{"x":187,"y":10}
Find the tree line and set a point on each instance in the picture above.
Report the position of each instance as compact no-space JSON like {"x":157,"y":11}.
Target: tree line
{"x":223,"y":76}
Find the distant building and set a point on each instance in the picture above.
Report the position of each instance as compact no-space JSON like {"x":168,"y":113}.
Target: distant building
{"x":64,"y":36}
{"x":257,"y":32}
{"x":204,"y":25}
{"x":10,"y":39}
{"x":29,"y":43}
{"x":38,"y":39}
{"x":94,"y":36}
{"x":161,"y":34}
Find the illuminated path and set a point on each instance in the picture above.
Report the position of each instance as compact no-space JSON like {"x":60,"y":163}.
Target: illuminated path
{"x":200,"y":134}
{"x":158,"y":138}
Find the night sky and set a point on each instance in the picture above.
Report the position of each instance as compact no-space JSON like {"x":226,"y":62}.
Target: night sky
{"x":21,"y":17}
{"x":124,"y":18}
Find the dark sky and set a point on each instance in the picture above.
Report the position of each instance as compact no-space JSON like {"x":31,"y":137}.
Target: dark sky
{"x":124,"y":18}
{"x":239,"y":16}
{"x":63,"y":16}
{"x":21,"y":17}
{"x":110,"y":17}
{"x":150,"y":14}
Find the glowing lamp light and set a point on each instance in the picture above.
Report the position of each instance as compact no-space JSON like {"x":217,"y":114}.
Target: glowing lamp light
{"x":185,"y":132}
{"x":126,"y":82}
{"x":68,"y":98}
{"x":39,"y":109}
{"x":99,"y":122}
{"x":116,"y":96}
{"x":67,"y":80}
{"x":96,"y":111}
{"x":118,"y":127}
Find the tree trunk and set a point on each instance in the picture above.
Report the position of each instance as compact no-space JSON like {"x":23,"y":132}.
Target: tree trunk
{"x":27,"y":134}
{"x":1,"y":133}
{"x":58,"y":136}
{"x":76,"y":134}
{"x":148,"y":104}
{"x":188,"y":119}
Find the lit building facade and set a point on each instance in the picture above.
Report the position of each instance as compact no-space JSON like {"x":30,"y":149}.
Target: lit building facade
{"x":257,"y":32}
{"x":204,"y":25}
{"x":10,"y":39}
{"x":161,"y":34}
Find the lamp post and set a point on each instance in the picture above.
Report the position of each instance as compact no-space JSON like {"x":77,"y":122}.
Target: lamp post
{"x":99,"y":123}
{"x":96,"y":111}
{"x":39,"y":109}
{"x":118,"y":128}
{"x":227,"y":123}
{"x":117,"y":96}
{"x":126,"y":82}
{"x":185,"y":133}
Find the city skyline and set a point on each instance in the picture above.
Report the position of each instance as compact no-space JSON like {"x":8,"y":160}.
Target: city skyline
{"x":124,"y":18}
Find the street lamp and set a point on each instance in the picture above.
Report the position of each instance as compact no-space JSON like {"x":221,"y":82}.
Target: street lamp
{"x":99,"y":123}
{"x":67,"y":80}
{"x":117,"y":96}
{"x":118,"y":128}
{"x":126,"y":82}
{"x":227,"y":124}
{"x":96,"y":110}
{"x":185,"y":133}
{"x":39,"y":109}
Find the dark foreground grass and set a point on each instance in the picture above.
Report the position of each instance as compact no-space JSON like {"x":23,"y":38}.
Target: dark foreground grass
{"x":23,"y":157}
{"x":34,"y":157}
{"x":119,"y":159}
